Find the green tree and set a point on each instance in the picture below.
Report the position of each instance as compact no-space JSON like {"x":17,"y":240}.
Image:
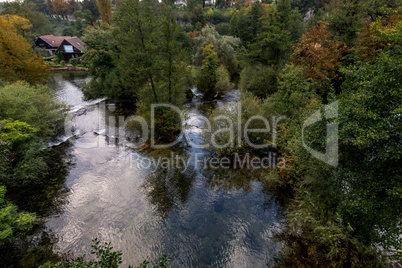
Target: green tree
{"x":102,"y":58}
{"x":198,"y":19}
{"x":370,"y":137}
{"x":259,"y":79}
{"x":38,"y":5}
{"x":207,"y":77}
{"x":247,"y":23}
{"x":139,"y":37}
{"x":280,"y":29}
{"x":345,"y":19}
{"x":226,"y":47}
{"x":35,"y":105}
{"x":91,"y":11}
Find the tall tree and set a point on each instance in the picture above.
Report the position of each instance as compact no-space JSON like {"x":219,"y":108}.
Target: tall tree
{"x":137,"y":23}
{"x":346,"y":19}
{"x":198,"y":19}
{"x":280,"y":29}
{"x":91,"y":11}
{"x":208,"y":74}
{"x":38,"y":5}
{"x":105,"y":10}
{"x":320,"y":56}
{"x":61,"y":8}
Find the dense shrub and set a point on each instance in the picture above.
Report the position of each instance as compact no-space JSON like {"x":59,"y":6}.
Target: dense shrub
{"x":259,"y":80}
{"x":225,"y":46}
{"x":24,"y":163}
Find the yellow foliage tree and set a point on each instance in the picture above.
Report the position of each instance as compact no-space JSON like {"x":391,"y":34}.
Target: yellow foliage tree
{"x":18,"y":61}
{"x":105,"y":10}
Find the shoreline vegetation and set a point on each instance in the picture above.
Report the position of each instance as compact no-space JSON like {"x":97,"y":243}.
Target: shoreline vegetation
{"x":294,"y":60}
{"x":69,"y":68}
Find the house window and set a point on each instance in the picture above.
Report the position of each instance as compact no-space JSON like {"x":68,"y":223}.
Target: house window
{"x":68,"y":49}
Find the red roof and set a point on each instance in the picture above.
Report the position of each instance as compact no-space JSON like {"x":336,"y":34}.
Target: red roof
{"x":76,"y":42}
{"x":54,"y":41}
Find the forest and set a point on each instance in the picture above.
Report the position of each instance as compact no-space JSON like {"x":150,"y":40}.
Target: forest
{"x":287,"y":58}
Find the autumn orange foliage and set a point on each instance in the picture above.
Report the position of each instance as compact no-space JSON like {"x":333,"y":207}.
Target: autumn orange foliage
{"x":319,"y":55}
{"x":18,"y":61}
{"x":193,"y":35}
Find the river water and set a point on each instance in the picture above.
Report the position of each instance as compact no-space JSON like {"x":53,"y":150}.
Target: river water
{"x":198,"y":217}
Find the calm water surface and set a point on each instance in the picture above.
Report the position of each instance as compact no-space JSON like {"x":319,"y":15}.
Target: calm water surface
{"x":200,"y":218}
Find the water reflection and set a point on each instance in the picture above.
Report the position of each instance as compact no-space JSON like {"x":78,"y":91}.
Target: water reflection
{"x":199,"y":217}
{"x":168,"y":189}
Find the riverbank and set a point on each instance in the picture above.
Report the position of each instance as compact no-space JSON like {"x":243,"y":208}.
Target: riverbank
{"x":69,"y":69}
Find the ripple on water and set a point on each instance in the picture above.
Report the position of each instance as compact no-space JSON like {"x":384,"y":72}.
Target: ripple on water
{"x":147,"y":213}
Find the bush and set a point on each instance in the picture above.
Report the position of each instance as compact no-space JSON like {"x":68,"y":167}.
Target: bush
{"x":12,"y":222}
{"x":216,"y":17}
{"x":223,"y":28}
{"x":260,"y":80}
{"x":74,"y":61}
{"x":23,"y":162}
{"x":68,"y":31}
{"x":223,"y":84}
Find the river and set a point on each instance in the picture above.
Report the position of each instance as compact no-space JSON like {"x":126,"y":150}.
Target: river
{"x":198,"y":217}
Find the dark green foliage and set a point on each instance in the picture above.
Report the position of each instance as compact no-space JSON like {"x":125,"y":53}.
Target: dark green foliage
{"x":79,"y":26}
{"x":24,"y":163}
{"x":247,"y":23}
{"x":68,"y":31}
{"x":91,"y":12}
{"x":38,"y":5}
{"x":198,"y":19}
{"x":370,"y":135}
{"x":345,"y":20}
{"x":153,"y":61}
{"x":259,"y":80}
{"x":102,"y":59}
{"x":216,"y":17}
{"x":212,"y":80}
{"x":281,"y":28}
{"x":304,"y":5}
{"x":341,"y":213}
{"x":191,"y":4}
{"x":223,"y":28}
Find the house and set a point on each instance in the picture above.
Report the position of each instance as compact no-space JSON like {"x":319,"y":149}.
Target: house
{"x":71,"y":48}
{"x":68,"y":46}
{"x":50,"y":43}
